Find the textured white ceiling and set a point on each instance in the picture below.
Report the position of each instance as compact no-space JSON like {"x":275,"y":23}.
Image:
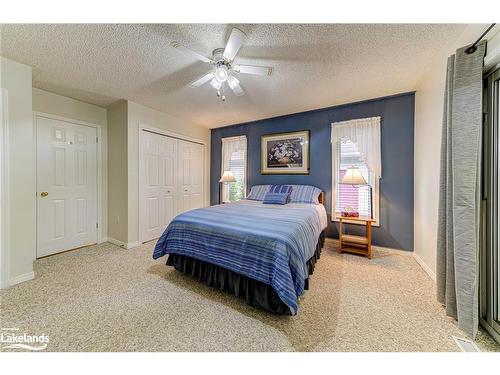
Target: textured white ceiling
{"x":315,"y":66}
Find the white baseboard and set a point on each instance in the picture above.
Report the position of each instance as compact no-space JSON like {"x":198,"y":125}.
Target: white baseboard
{"x":125,"y":245}
{"x":116,"y":242}
{"x":130,"y":245}
{"x":395,"y":251}
{"x":425,"y":267}
{"x":21,"y":278}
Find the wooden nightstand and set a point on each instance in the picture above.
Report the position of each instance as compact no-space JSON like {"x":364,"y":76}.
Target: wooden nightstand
{"x":356,"y":244}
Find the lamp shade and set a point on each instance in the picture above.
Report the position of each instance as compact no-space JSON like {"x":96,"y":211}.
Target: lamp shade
{"x":353,"y":176}
{"x":228,"y":177}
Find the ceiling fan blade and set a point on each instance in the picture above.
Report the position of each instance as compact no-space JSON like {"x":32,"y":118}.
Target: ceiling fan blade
{"x":238,"y":91}
{"x":202,"y":80}
{"x":234,"y":84}
{"x":257,"y":70}
{"x":187,"y":51}
{"x":234,"y":43}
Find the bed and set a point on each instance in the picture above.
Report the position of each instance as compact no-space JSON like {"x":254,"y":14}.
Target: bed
{"x":261,"y":252}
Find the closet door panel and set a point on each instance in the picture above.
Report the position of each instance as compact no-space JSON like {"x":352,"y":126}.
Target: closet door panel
{"x":157,"y":193}
{"x":168,"y":171}
{"x":197,"y":172}
{"x":183,"y":178}
{"x":191,"y":167}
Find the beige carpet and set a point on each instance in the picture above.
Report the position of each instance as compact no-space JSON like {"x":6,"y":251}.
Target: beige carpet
{"x":104,"y":298}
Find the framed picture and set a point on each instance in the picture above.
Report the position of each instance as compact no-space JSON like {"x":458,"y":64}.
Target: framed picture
{"x":285,"y":153}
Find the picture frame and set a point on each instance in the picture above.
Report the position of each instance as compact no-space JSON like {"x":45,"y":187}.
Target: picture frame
{"x":285,"y":153}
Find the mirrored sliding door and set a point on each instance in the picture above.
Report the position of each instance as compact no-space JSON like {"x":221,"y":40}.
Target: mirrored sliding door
{"x":490,"y":214}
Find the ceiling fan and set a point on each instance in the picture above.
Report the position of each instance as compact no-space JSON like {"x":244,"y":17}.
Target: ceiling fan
{"x":222,"y":60}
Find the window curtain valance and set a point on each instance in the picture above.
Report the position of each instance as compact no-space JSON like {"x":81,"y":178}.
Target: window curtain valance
{"x":365,"y":133}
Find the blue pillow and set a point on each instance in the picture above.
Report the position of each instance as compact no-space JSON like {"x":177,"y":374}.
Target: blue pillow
{"x":258,"y":192}
{"x":278,"y":194}
{"x":305,"y":194}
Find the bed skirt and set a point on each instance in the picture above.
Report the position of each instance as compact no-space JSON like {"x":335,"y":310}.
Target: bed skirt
{"x":255,"y":293}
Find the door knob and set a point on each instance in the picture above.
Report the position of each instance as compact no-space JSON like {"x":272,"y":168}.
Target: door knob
{"x":44,"y":194}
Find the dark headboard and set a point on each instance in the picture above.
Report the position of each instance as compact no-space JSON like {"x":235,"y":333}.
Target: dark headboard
{"x":321,"y":198}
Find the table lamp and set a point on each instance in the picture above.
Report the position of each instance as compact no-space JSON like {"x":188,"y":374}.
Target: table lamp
{"x":354,"y":177}
{"x":226,"y":178}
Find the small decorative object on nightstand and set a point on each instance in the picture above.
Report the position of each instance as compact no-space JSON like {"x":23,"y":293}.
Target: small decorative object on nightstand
{"x":356,"y":244}
{"x":349,"y":212}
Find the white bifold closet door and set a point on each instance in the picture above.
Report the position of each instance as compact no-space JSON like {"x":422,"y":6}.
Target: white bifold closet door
{"x":190,"y":176}
{"x":158,"y":181}
{"x":171,"y":181}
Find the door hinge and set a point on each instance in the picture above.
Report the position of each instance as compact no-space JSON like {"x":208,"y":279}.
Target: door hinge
{"x":97,"y":225}
{"x":96,"y":139}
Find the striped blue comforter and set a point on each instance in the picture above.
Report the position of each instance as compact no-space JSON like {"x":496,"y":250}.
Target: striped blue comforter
{"x":268,"y":243}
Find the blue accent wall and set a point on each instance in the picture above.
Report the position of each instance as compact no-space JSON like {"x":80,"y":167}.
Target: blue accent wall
{"x":396,"y":184}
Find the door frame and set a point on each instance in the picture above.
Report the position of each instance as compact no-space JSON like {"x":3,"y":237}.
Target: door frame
{"x":170,"y":134}
{"x":100,"y":173}
{"x":4,"y":192}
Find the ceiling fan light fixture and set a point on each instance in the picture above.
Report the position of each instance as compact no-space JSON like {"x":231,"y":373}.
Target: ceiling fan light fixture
{"x":222,"y":73}
{"x":222,"y":68}
{"x":216,"y":83}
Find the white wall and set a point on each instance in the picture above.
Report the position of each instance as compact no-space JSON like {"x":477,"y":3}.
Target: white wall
{"x":117,"y":172}
{"x":428,"y":124}
{"x":58,"y":105}
{"x":48,"y":102}
{"x":16,"y":79}
{"x":139,"y":115}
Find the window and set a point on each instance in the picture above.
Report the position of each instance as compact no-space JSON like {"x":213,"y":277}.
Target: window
{"x":356,"y":146}
{"x":349,"y":197}
{"x":234,"y":159}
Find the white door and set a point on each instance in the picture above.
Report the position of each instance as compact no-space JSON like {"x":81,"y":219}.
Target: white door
{"x":191,"y":172}
{"x":66,"y":186}
{"x":158,"y":170}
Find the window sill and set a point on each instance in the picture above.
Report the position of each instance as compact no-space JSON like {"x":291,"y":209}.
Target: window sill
{"x":376,"y":223}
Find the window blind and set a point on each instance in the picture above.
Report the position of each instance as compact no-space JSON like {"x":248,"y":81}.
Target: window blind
{"x":352,"y":198}
{"x":234,"y":159}
{"x":237,"y":164}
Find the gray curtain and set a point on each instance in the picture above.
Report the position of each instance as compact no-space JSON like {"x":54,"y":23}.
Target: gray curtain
{"x":458,"y":223}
